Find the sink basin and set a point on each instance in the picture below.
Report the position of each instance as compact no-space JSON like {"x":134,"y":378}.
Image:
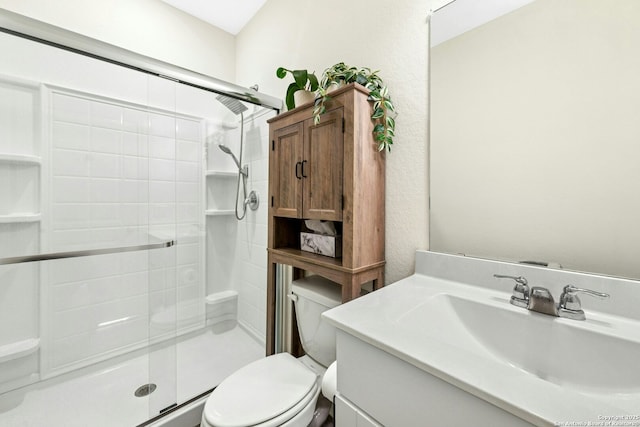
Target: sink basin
{"x":589,"y":356}
{"x":452,"y":320}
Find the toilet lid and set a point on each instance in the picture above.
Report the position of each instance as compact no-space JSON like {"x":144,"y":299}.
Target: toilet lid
{"x":259,"y":392}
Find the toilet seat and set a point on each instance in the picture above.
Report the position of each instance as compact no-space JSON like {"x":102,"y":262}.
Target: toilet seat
{"x":267,"y":393}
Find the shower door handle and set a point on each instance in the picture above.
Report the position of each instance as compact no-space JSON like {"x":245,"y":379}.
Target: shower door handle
{"x":298,"y":175}
{"x":83,"y":253}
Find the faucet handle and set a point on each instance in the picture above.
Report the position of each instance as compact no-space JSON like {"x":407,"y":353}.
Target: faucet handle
{"x":570,"y":305}
{"x":520,"y":297}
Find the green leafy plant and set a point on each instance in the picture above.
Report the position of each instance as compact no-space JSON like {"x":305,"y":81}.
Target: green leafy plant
{"x":383,"y":108}
{"x":302,"y":80}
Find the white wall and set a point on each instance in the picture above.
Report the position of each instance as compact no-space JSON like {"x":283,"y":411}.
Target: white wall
{"x":384,"y":35}
{"x":149,"y":27}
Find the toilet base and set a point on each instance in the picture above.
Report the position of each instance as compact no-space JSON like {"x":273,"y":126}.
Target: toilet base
{"x":323,"y":413}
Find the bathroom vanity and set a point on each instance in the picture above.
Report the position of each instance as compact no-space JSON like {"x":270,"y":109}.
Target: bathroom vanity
{"x":445,"y":347}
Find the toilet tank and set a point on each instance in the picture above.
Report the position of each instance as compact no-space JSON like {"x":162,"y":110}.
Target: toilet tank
{"x":312,"y":296}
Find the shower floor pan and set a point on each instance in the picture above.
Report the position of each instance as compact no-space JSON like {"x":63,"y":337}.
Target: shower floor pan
{"x":104,"y":396}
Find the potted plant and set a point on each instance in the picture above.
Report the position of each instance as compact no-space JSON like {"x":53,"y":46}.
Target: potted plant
{"x":383,"y":109}
{"x":302,"y":88}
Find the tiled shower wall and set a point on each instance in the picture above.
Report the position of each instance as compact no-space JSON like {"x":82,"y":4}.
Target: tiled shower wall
{"x":236,"y":250}
{"x":120,"y":175}
{"x":250,"y":267}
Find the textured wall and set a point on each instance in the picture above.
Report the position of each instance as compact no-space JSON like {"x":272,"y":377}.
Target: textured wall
{"x":389,"y":36}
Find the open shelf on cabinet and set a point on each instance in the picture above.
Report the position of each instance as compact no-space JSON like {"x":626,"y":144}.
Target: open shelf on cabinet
{"x":310,"y":257}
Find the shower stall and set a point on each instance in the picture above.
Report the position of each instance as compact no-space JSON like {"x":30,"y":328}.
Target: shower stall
{"x":128,"y":287}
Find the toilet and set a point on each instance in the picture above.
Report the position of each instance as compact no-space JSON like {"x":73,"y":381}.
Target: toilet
{"x":281,"y":390}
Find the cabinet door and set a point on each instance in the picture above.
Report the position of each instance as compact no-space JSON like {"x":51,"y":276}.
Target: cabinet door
{"x":285,"y":177}
{"x":349,"y":415}
{"x":322,"y":167}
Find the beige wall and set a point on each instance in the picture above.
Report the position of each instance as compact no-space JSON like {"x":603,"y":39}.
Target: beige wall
{"x":535,"y":136}
{"x":149,"y":27}
{"x":384,"y":35}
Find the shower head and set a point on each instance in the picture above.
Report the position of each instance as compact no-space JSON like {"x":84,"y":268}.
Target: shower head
{"x":227,"y":150}
{"x":232,"y":104}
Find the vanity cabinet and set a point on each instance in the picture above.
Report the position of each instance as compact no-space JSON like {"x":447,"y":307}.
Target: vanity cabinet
{"x":376,"y":389}
{"x":349,"y":415}
{"x":329,"y":171}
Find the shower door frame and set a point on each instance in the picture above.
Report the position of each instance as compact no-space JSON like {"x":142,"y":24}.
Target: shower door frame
{"x":32,"y":29}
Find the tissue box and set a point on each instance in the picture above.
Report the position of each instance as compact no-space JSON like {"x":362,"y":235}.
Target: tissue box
{"x":321,"y":244}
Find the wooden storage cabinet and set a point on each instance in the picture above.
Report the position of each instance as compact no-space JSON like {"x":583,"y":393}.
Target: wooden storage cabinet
{"x":284,"y":162}
{"x":330,"y":171}
{"x":306,"y":169}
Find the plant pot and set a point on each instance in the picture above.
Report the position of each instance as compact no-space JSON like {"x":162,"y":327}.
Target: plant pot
{"x":335,"y":86}
{"x":303,"y":97}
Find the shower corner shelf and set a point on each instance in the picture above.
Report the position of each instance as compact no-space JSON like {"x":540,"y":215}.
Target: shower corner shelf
{"x":221,"y":174}
{"x":20,"y":158}
{"x":16,"y":350}
{"x":17,"y":218}
{"x":219,"y":212}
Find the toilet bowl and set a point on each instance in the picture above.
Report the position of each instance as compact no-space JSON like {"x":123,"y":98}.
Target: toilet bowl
{"x":281,"y":390}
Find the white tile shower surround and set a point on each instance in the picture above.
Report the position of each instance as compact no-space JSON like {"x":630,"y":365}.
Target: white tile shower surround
{"x":99,"y":121}
{"x":105,"y":397}
{"x":236,"y":250}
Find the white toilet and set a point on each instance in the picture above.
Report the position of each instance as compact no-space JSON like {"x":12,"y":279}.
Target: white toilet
{"x":281,"y":390}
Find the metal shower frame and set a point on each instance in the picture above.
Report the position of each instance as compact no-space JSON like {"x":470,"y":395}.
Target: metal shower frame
{"x":32,"y":29}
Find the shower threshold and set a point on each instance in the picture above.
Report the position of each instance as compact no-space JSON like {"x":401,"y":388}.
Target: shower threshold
{"x":105,"y":395}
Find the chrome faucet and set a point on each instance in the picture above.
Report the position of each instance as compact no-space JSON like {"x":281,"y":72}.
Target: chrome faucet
{"x":540,"y":300}
{"x":520,"y":297}
{"x":570,"y":305}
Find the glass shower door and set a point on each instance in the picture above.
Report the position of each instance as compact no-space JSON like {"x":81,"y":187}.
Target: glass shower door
{"x":112,"y":184}
{"x":87,"y":233}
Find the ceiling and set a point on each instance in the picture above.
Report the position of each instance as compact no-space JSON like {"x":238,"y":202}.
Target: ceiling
{"x":231,"y":16}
